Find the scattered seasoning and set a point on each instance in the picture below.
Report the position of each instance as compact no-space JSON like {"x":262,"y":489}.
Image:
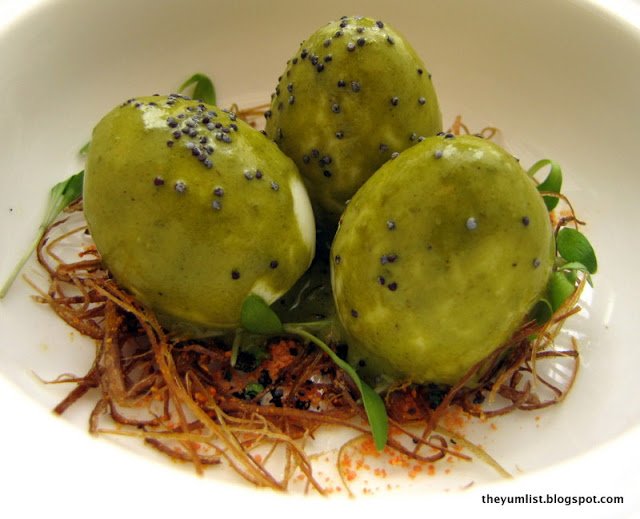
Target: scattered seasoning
{"x":438,"y":154}
{"x":395,"y":101}
{"x":361,"y":41}
{"x":274,"y":185}
{"x":180,"y":186}
{"x":381,"y":280}
{"x":339,"y":134}
{"x":217,"y":205}
{"x":393,"y":286}
{"x":326,"y":173}
{"x":354,"y":313}
{"x":335,"y":108}
{"x":218,"y":191}
{"x":158,"y":181}
{"x":337,"y":259}
{"x":259,"y":174}
{"x":380,"y":24}
{"x":422,"y":100}
{"x":327,"y":42}
{"x":394,"y":155}
{"x":472,"y":224}
{"x":536,"y":263}
{"x":391,"y":225}
{"x":351,"y":46}
{"x":235,"y":274}
{"x":526,"y":221}
{"x":390,"y":40}
{"x":273,"y":264}
{"x":341,"y":83}
{"x":388,"y":258}
{"x":355,"y":86}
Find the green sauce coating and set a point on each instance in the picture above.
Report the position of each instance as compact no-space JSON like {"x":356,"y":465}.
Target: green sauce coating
{"x":354,"y":94}
{"x":192,"y":210}
{"x":438,"y":259}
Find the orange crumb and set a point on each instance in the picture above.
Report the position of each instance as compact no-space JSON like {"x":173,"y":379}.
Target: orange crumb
{"x":431,"y":469}
{"x":494,"y":426}
{"x":379,"y":472}
{"x":258,"y":458}
{"x":413,"y":473}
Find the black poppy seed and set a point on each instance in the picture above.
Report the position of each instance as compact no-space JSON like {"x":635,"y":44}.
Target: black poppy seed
{"x":335,"y":108}
{"x":290,"y":87}
{"x":420,"y":71}
{"x":190,"y":145}
{"x":234,"y":127}
{"x":226,"y":130}
{"x":315,"y":153}
{"x":235,"y":274}
{"x":294,"y":61}
{"x":354,"y":313}
{"x":339,"y":134}
{"x":391,"y":225}
{"x":394,"y":101}
{"x":421,"y":100}
{"x":395,"y":154}
{"x":328,"y":58}
{"x":274,"y":185}
{"x":338,"y":33}
{"x":327,"y":42}
{"x":211,"y":127}
{"x":259,"y":174}
{"x":203,"y":140}
{"x":449,"y":136}
{"x":193,"y":133}
{"x":314,"y":59}
{"x":380,"y":24}
{"x":320,"y":67}
{"x":360,"y":30}
{"x":211,"y":113}
{"x":438,"y":154}
{"x":248,"y":175}
{"x":169,"y":143}
{"x":343,"y":23}
{"x":202,"y":157}
{"x":304,"y":53}
{"x":218,"y":125}
{"x":381,"y":280}
{"x":342,"y":83}
{"x":526,"y":221}
{"x":325,"y":160}
{"x":388,"y":258}
{"x":177,"y":134}
{"x":232,"y":116}
{"x":196,"y":152}
{"x":180,"y":186}
{"x":190,"y":123}
{"x":306,"y":159}
{"x":383,"y":147}
{"x":153,"y":104}
{"x":361,"y":41}
{"x":268,"y":114}
{"x":337,"y":260}
{"x":421,"y":138}
{"x":351,"y":46}
{"x":208,"y":164}
{"x":185,"y":130}
{"x":536,"y":263}
{"x":326,"y":173}
{"x":273,"y":264}
{"x":393,"y":286}
{"x":181,"y":116}
{"x":206,"y":120}
{"x":390,"y":40}
{"x":218,"y":191}
{"x":355,"y":86}
{"x":171,"y":122}
{"x":216,"y":205}
{"x":292,"y":99}
{"x":226,"y":138}
{"x":158,"y":181}
{"x":413,"y":137}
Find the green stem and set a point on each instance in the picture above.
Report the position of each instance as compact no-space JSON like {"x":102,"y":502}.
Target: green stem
{"x":16,"y":270}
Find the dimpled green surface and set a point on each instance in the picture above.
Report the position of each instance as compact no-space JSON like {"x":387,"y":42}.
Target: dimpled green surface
{"x":334,"y":111}
{"x":444,"y":225}
{"x":176,"y":230}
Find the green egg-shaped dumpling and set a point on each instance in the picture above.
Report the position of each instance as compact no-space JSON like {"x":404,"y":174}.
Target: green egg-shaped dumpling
{"x":353,"y":95}
{"x":438,"y":259}
{"x":192,"y":210}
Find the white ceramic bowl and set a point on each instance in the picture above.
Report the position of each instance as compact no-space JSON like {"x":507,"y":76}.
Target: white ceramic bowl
{"x":559,"y":78}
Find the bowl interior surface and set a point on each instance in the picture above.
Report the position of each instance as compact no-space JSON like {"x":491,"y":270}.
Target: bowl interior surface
{"x":557,"y":78}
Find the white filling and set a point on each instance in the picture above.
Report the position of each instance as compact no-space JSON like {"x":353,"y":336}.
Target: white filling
{"x":154,"y":117}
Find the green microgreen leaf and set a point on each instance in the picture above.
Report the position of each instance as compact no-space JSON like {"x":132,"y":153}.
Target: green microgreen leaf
{"x":85,"y":149}
{"x":573,"y":246}
{"x":552,"y":183}
{"x":571,"y":268}
{"x":542,"y":311}
{"x":60,"y":196}
{"x":252,"y":389}
{"x":202,"y":88}
{"x":559,"y":289}
{"x":256,"y":316}
{"x":373,"y":403}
